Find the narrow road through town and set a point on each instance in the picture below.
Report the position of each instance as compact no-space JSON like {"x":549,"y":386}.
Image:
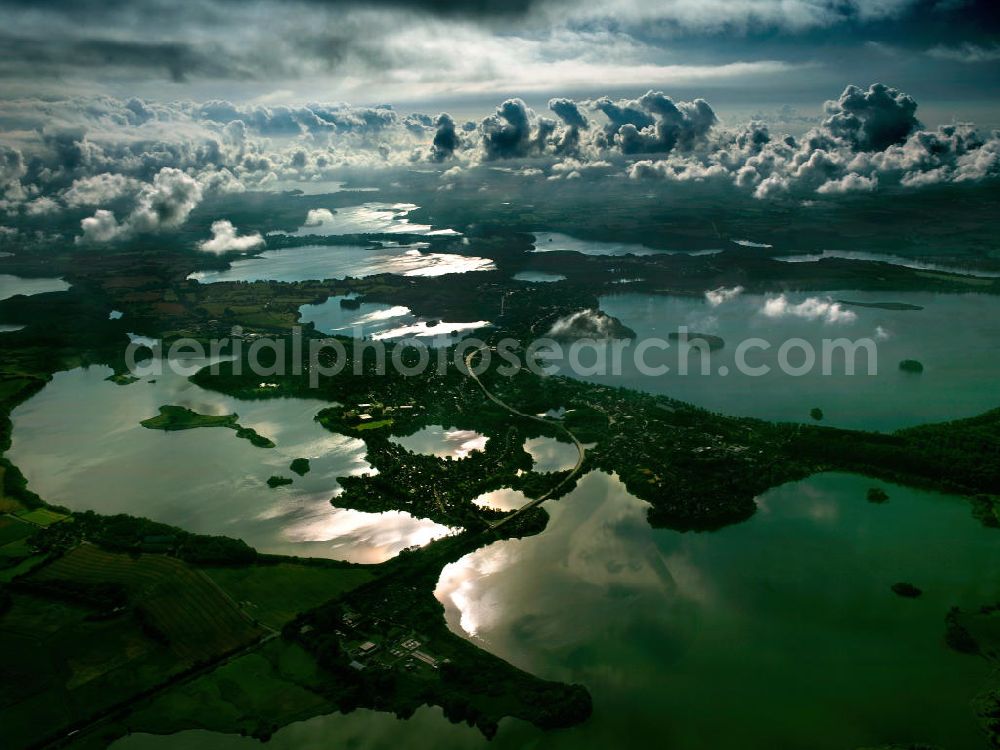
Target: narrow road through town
{"x":580,"y":449}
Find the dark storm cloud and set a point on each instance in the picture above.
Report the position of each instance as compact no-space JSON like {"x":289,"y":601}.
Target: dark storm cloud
{"x":653,"y":123}
{"x":446,"y":138}
{"x":872,"y":119}
{"x":569,"y":112}
{"x":506,"y":134}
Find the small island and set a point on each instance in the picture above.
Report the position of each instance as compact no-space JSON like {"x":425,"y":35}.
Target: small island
{"x":172,"y":418}
{"x":300,"y":466}
{"x":713,"y":342}
{"x":276,"y":480}
{"x":881,"y":305}
{"x":877,"y":495}
{"x":911,"y":365}
{"x":906,"y":590}
{"x":122,"y":378}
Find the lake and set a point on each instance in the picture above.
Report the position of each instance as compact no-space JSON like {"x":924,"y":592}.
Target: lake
{"x":379,"y":321}
{"x":11,"y":286}
{"x":318,"y":262}
{"x":368,"y":218}
{"x":435,"y":440}
{"x":780,"y":632}
{"x":550,"y":242}
{"x":80,"y":444}
{"x":538,"y":277}
{"x":550,"y":454}
{"x":956,"y":337}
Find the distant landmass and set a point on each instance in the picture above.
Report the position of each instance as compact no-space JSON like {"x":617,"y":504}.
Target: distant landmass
{"x":881,"y":305}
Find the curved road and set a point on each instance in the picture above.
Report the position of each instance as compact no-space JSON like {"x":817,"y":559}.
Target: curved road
{"x":580,"y":449}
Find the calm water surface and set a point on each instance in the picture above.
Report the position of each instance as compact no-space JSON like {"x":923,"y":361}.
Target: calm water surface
{"x":780,"y":632}
{"x":318,"y":262}
{"x":80,"y":444}
{"x":11,"y":286}
{"x":956,"y":337}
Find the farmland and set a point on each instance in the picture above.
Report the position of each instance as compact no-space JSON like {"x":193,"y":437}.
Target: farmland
{"x":197,"y":620}
{"x":94,"y":629}
{"x":275,"y":594}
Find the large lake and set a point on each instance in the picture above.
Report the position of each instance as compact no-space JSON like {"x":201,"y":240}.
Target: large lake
{"x":956,"y":338}
{"x":380,"y":321}
{"x":11,"y":286}
{"x":80,"y":444}
{"x":318,"y":262}
{"x":368,"y":218}
{"x":781,"y":632}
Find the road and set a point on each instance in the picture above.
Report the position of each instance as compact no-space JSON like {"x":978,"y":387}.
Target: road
{"x":580,"y":449}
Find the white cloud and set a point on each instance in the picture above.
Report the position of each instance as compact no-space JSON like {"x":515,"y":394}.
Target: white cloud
{"x":99,"y":228}
{"x":98,"y":189}
{"x":849,"y":183}
{"x":716,"y":297}
{"x":225,"y":239}
{"x":165,"y":203}
{"x":812,"y":308}
{"x":41,"y":206}
{"x":318,"y":217}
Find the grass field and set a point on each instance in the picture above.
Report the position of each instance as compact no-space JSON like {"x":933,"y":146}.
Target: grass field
{"x":275,"y":594}
{"x":377,"y":425}
{"x":41,"y":516}
{"x":253,"y":694}
{"x":198,"y":620}
{"x":59,"y":666}
{"x":12,"y":530}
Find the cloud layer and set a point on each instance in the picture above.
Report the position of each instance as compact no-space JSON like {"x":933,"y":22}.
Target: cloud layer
{"x":137,"y":167}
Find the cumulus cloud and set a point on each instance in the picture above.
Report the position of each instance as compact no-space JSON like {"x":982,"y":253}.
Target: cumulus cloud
{"x":98,"y":189}
{"x":225,"y":239}
{"x":163,"y":204}
{"x":12,"y":169}
{"x":653,"y":123}
{"x":849,"y":183}
{"x":874,"y":119}
{"x":100,"y":228}
{"x":812,"y":308}
{"x":716,"y":297}
{"x":589,"y":324}
{"x":318,"y":217}
{"x":41,"y":206}
{"x":446,"y":138}
{"x":569,"y":112}
{"x":115,"y":154}
{"x":507,"y":132}
{"x":166,"y":203}
{"x":871,"y":138}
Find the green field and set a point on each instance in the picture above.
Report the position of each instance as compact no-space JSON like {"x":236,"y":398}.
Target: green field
{"x":374,"y":425}
{"x":198,"y":620}
{"x":12,"y":530}
{"x":254,"y":694}
{"x":275,"y":594}
{"x":41,"y":516}
{"x":65,"y":660}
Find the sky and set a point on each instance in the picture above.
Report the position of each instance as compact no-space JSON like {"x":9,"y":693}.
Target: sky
{"x":468,"y":56}
{"x":124,"y":115}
